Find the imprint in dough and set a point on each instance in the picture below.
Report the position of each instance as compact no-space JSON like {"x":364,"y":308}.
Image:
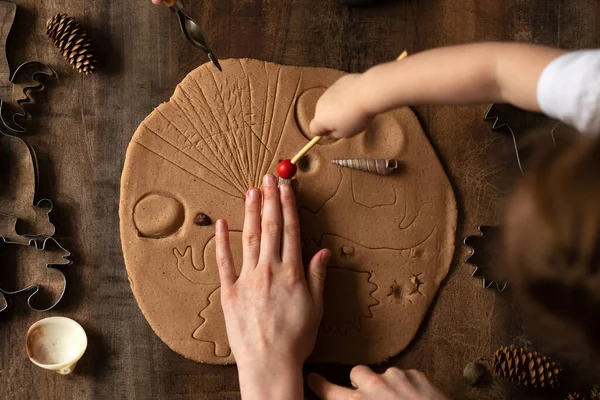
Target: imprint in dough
{"x":348,"y":300}
{"x":157,"y":216}
{"x":394,"y":293}
{"x":213,"y":321}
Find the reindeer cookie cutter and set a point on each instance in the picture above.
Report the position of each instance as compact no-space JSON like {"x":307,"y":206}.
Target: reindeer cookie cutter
{"x":39,"y":246}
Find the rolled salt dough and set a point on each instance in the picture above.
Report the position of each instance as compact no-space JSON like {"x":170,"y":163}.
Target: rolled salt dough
{"x":392,"y":237}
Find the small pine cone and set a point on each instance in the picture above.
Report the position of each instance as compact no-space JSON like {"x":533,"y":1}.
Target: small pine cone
{"x":73,"y":42}
{"x":575,"y":396}
{"x":526,"y":368}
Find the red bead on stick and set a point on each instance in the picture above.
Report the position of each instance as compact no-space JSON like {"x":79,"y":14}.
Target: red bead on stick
{"x":286,"y":170}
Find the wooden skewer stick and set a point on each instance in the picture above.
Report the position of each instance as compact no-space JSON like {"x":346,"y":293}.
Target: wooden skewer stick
{"x":306,"y":149}
{"x":316,"y":139}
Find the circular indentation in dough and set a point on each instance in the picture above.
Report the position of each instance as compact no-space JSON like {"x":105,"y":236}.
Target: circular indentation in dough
{"x":157,"y":216}
{"x":305,"y":111}
{"x":308,"y":163}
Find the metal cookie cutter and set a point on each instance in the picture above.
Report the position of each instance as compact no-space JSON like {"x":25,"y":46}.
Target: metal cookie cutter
{"x":40,"y":246}
{"x":30,"y":69}
{"x":503,"y":116}
{"x":40,"y":204}
{"x":486,"y":283}
{"x":8,"y":114}
{"x":494,"y":114}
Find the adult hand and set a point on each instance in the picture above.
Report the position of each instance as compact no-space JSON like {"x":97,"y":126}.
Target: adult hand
{"x":274,"y":308}
{"x":339,"y":112}
{"x":393,"y":384}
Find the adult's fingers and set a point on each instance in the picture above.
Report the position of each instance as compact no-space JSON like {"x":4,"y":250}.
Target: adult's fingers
{"x":315,"y":276}
{"x":417,"y":378}
{"x":227,"y":274}
{"x":364,"y":377}
{"x":251,"y":231}
{"x":290,"y":248}
{"x":327,"y":390}
{"x":270,"y":240}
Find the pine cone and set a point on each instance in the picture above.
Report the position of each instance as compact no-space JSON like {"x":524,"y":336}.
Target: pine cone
{"x":73,"y":42}
{"x":526,"y":368}
{"x":595,"y":393}
{"x":575,"y":396}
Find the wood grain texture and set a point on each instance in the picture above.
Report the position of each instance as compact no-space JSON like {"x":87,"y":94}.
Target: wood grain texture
{"x":83,"y":126}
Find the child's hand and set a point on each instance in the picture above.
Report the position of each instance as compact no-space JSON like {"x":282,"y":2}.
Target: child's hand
{"x":274,"y":308}
{"x":393,"y":384}
{"x":340,"y":112}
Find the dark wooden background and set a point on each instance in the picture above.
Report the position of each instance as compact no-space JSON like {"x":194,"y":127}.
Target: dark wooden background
{"x":83,"y":126}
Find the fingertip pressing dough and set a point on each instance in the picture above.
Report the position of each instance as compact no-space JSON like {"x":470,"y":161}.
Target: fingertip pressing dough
{"x":392,"y":237}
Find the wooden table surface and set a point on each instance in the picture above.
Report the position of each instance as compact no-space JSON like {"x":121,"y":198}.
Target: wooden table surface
{"x":84,"y":124}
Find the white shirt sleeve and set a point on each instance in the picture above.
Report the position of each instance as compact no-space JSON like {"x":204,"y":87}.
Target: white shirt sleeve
{"x":569,"y":90}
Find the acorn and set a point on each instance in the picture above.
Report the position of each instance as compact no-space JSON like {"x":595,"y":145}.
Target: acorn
{"x":473,"y":373}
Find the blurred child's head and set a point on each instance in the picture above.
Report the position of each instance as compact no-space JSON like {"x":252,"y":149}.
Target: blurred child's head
{"x":552,"y":238}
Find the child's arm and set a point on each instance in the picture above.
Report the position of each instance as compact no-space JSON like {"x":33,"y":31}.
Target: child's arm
{"x":459,"y":75}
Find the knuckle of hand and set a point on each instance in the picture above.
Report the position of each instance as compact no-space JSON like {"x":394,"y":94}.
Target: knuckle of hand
{"x":292,"y":231}
{"x":221,"y":239}
{"x":252,"y":239}
{"x":266,"y":273}
{"x":287,"y":198}
{"x":374,"y":380}
{"x":356,"y":396}
{"x":317,"y":275}
{"x":271,"y":195}
{"x":223,"y":262}
{"x":270,"y":227}
{"x":227,"y":297}
{"x":294,"y":275}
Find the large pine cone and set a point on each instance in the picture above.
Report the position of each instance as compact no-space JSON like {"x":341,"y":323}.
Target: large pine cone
{"x":73,"y":42}
{"x":525,"y":367}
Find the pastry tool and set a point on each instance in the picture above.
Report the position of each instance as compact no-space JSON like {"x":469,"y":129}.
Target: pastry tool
{"x":287,"y":168}
{"x":191,"y":30}
{"x":306,"y":149}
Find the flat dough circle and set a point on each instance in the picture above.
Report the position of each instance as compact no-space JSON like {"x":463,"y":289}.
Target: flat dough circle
{"x":392,"y":237}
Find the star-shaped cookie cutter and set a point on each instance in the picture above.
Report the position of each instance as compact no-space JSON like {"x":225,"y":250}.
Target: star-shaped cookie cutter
{"x":486,"y":283}
{"x":40,"y":246}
